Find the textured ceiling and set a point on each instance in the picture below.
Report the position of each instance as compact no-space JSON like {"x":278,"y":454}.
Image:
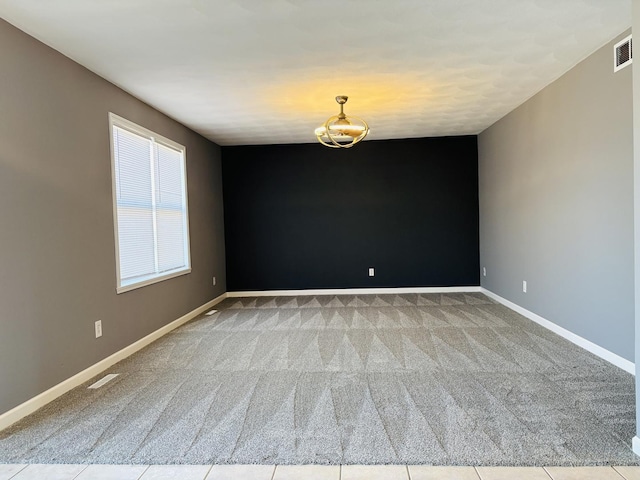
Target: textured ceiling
{"x":259,"y":72}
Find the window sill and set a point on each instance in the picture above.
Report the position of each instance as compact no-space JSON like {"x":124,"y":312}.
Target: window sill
{"x":150,"y":280}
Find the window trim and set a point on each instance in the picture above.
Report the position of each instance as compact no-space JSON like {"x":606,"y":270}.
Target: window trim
{"x":143,"y":281}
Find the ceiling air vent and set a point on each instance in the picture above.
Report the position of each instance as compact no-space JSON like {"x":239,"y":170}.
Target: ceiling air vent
{"x":622,"y":54}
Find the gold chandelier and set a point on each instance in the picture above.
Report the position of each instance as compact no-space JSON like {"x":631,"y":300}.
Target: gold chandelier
{"x":340,"y":131}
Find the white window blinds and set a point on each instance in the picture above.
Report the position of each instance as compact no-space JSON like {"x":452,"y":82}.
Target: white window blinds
{"x":150,"y":206}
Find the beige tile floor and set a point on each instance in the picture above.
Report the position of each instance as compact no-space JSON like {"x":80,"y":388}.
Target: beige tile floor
{"x":310,"y":472}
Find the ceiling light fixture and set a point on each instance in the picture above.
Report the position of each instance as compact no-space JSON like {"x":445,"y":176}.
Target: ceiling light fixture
{"x":340,"y":131}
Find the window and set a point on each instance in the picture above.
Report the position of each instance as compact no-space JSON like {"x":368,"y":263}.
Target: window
{"x":150,"y":206}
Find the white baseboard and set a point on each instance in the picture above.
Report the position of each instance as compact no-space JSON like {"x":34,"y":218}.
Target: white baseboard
{"x":33,"y":404}
{"x":352,"y":291}
{"x":597,"y":350}
{"x":635,"y":445}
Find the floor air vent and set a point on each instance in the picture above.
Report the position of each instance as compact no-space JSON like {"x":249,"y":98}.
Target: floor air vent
{"x":622,"y":54}
{"x":104,"y":380}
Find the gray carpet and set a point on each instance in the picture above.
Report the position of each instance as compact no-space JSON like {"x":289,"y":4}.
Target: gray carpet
{"x":411,"y":379}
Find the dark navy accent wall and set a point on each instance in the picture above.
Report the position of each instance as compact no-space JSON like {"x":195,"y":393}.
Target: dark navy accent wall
{"x":306,"y":216}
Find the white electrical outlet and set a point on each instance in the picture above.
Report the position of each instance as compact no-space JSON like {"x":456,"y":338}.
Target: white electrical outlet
{"x":372,"y":272}
{"x":98,"y":328}
{"x":524,"y":286}
{"x":214,"y":281}
{"x":484,"y":271}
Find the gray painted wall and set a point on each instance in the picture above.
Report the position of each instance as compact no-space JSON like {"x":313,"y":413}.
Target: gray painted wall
{"x":556,"y":204}
{"x":635,"y":25}
{"x":57,"y":260}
